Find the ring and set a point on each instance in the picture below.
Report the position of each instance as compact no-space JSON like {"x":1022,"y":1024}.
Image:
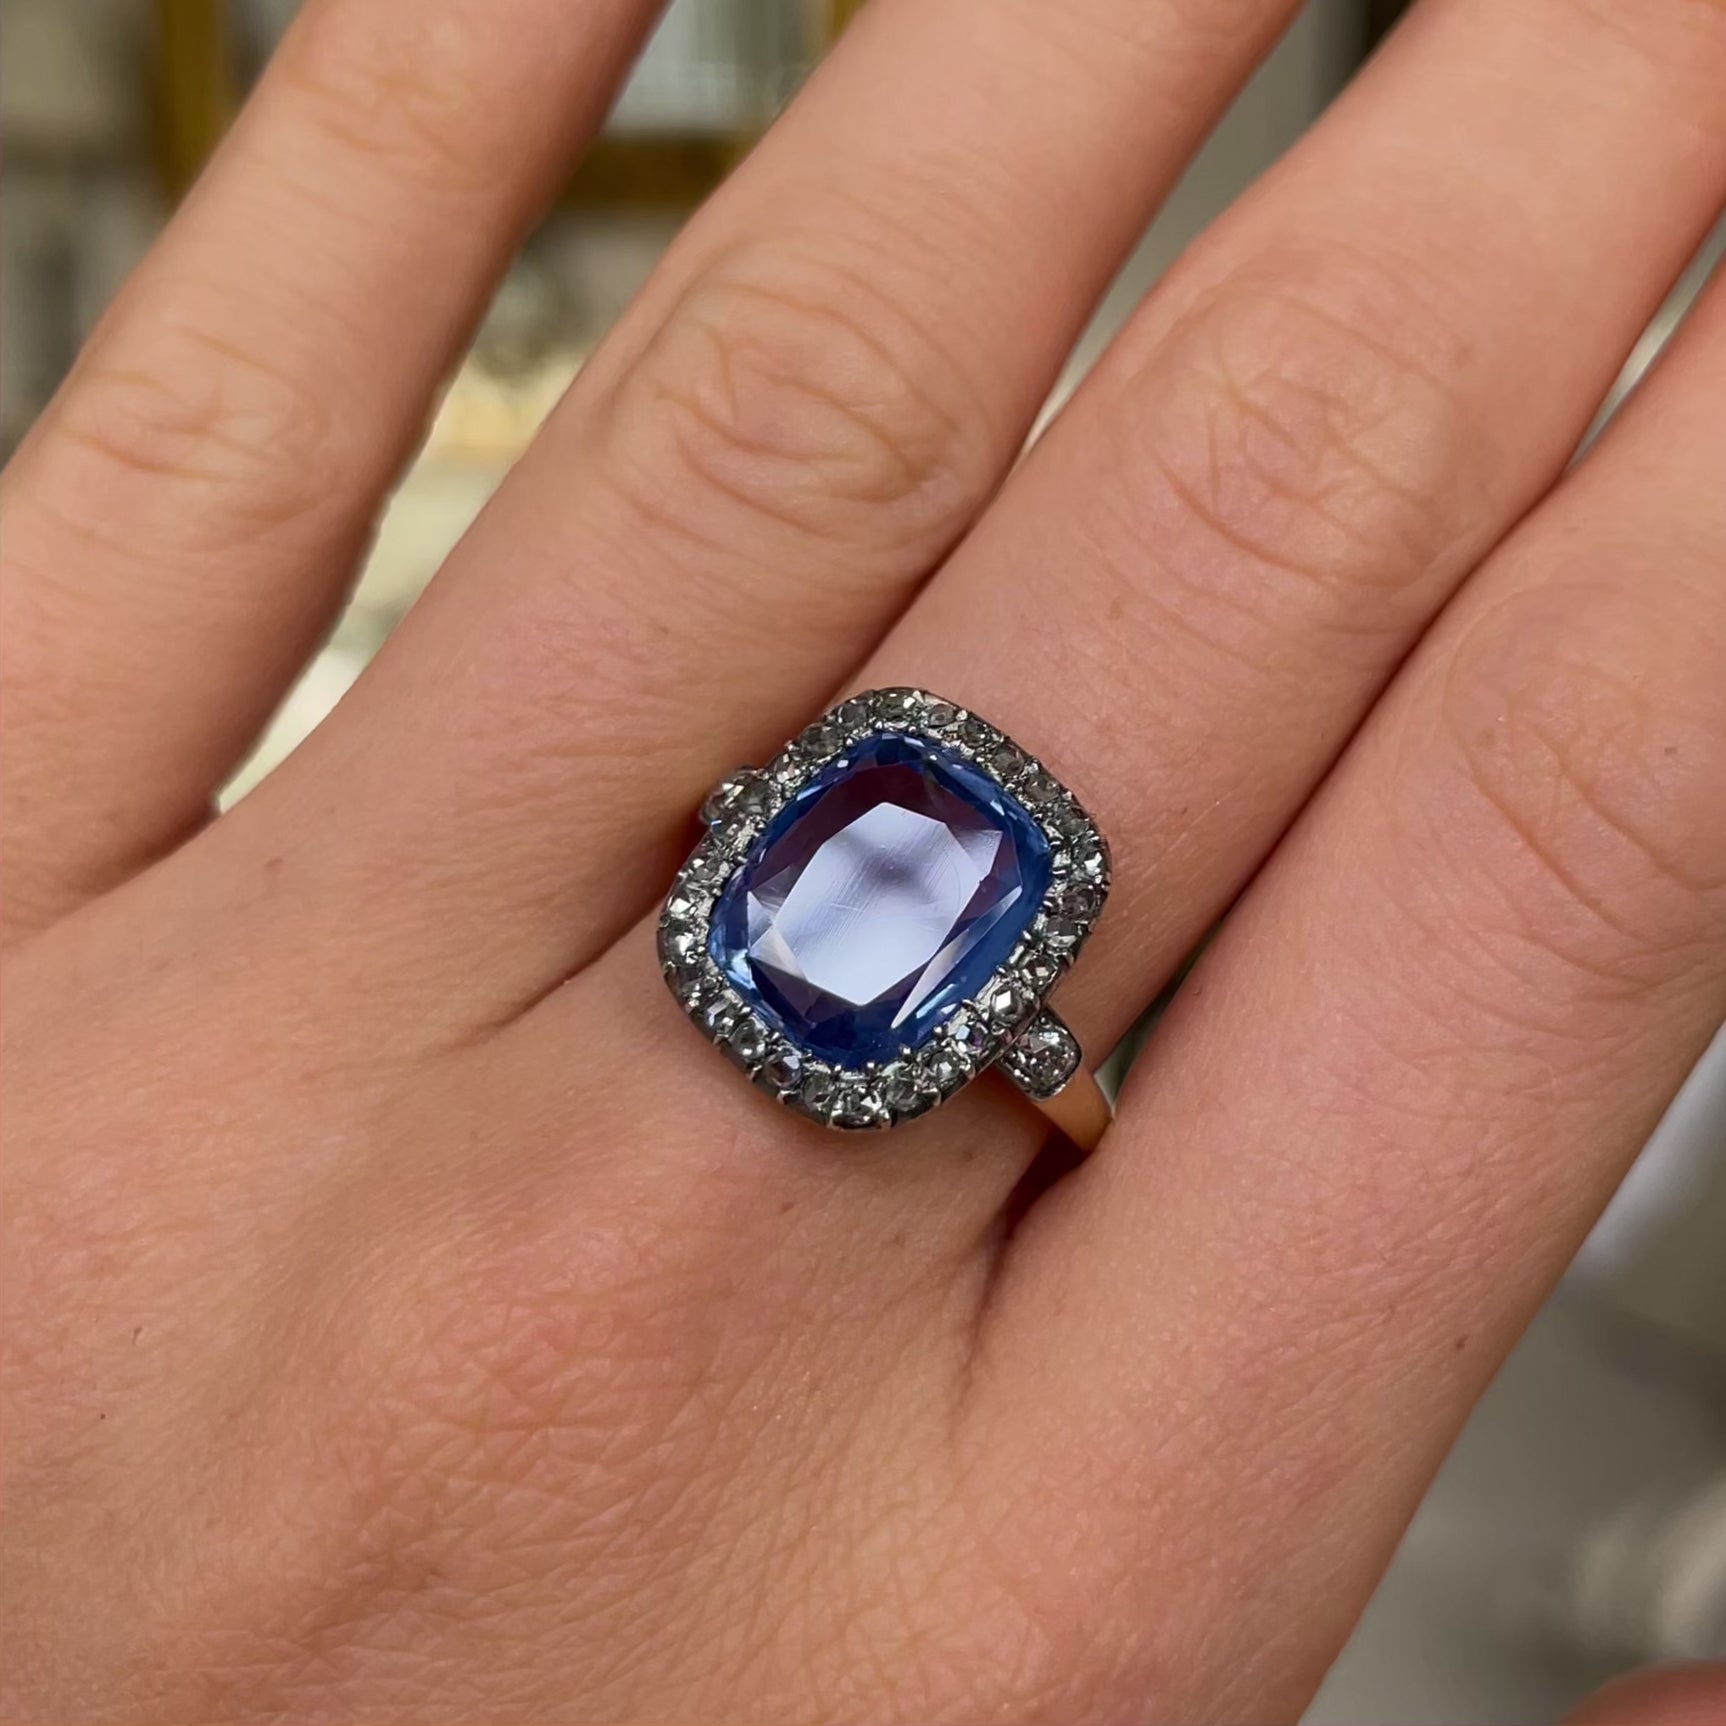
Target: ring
{"x":880,"y":915}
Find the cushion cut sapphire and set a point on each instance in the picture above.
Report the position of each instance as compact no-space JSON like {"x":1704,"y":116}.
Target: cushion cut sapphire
{"x":885,"y":893}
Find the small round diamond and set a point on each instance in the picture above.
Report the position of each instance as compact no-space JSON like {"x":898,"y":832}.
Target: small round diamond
{"x":741,"y":794}
{"x":1070,"y":819}
{"x":978,"y":735}
{"x":948,"y":1071}
{"x":816,"y":742}
{"x":1084,"y":857}
{"x":747,"y":1041}
{"x":856,"y":1106}
{"x":817,"y":1090}
{"x":910,"y":1092}
{"x":897,"y":706}
{"x":686,"y":908}
{"x":1060,"y":934}
{"x":688,"y":980}
{"x":789,"y":769}
{"x":679,"y":944}
{"x":1079,"y":900}
{"x":1044,"y":1057}
{"x":1039,"y":791}
{"x":1037,"y":971}
{"x":941,"y":716}
{"x":1008,"y":1003}
{"x":968,"y":1033}
{"x":708,"y":867}
{"x":1007,"y":760}
{"x":782,"y":1069}
{"x":718,"y":1016}
{"x":854,"y":715}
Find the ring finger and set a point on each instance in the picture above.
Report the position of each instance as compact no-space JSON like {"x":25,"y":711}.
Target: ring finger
{"x":1387,"y":349}
{"x":1193,"y":591}
{"x":1195,"y":586}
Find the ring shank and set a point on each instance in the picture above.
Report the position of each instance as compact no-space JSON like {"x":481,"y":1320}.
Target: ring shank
{"x":1046,"y":1065}
{"x":1079,"y":1111}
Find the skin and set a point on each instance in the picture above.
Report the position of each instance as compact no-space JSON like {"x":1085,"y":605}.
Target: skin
{"x":409,"y":1318}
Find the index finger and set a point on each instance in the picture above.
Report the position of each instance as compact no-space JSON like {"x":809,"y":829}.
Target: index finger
{"x":184,"y":521}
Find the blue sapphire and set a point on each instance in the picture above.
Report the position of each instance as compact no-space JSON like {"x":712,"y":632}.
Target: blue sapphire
{"x":880,"y":897}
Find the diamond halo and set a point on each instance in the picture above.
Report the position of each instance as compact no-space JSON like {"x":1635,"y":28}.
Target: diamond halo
{"x":980,"y":1029}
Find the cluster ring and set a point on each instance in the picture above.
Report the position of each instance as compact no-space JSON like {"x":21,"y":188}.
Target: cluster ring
{"x":751,"y":997}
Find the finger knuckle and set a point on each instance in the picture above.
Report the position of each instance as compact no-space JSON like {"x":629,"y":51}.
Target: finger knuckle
{"x":398,"y":91}
{"x":787,"y":393}
{"x":1593,"y":734}
{"x":188,"y":412}
{"x":1304,"y":445}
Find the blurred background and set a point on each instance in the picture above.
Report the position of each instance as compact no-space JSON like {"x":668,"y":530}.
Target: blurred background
{"x":1580,"y":1526}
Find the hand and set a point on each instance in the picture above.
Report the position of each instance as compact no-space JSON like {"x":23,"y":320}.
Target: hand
{"x":410,"y":1318}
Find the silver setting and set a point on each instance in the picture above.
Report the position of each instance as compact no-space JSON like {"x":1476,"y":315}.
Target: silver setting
{"x":1006,"y":1021}
{"x":1044,"y":1058}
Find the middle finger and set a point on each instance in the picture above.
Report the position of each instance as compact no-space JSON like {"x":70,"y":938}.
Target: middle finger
{"x":809,"y":403}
